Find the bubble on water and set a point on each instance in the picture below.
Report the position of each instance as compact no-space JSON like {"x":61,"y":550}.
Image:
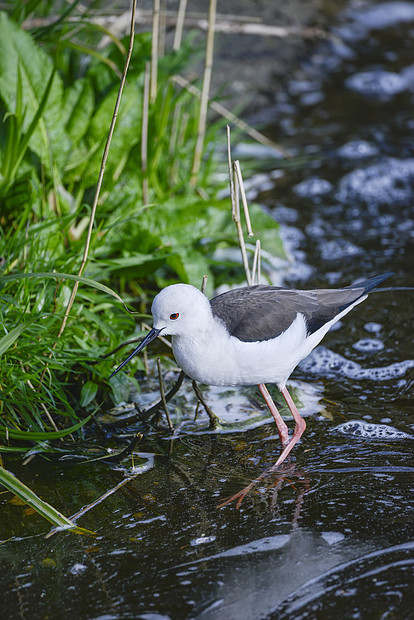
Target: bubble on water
{"x":144,"y":616}
{"x":202,"y":540}
{"x":78,"y":569}
{"x":312,"y":187}
{"x":324,"y":362}
{"x":357,"y":149}
{"x":338,"y":249}
{"x":368,"y":430}
{"x":373,"y":328}
{"x":377,"y":83}
{"x":368,"y":345}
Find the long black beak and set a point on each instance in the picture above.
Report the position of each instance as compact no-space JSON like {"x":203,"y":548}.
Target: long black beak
{"x":154,"y":333}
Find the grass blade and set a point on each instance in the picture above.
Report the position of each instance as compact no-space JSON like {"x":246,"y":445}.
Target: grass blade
{"x":12,"y":433}
{"x":67,"y":276}
{"x":7,"y":340}
{"x":28,"y":496}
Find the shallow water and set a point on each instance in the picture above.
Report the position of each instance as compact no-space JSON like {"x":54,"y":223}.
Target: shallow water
{"x":331,"y":534}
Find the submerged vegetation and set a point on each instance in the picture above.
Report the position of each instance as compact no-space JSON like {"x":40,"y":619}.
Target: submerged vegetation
{"x":157,"y":221}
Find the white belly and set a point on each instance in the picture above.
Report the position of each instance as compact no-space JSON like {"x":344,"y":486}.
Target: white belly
{"x":220,"y":359}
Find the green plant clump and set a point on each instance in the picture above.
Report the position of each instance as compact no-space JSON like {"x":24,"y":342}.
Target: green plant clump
{"x":57,"y":93}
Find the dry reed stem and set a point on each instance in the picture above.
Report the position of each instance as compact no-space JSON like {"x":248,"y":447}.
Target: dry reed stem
{"x":236,"y":188}
{"x":178,"y":35}
{"x":230,"y":166}
{"x":257,"y":264}
{"x":238,"y":173}
{"x":101,"y":175}
{"x":163,"y":28}
{"x":230,"y":116}
{"x":144,"y":134}
{"x":162,"y":394}
{"x":265,"y":30}
{"x":225,"y":23}
{"x":237,"y":221}
{"x":154,"y":50}
{"x":202,"y":120}
{"x":100,"y":499}
{"x":235,"y":208}
{"x":151,"y":411}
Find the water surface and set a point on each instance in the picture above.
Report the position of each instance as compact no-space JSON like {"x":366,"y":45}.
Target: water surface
{"x":331,"y":534}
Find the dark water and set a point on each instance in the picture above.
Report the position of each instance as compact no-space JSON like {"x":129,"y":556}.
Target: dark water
{"x":332,"y":534}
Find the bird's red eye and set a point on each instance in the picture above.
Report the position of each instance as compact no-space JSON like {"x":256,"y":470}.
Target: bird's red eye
{"x":174,"y":316}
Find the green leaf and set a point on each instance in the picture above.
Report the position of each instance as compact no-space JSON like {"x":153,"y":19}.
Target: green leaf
{"x":26,"y":137}
{"x":21,"y":58}
{"x":88,"y":393}
{"x":121,"y":387}
{"x":78,"y":108}
{"x":127,"y":132}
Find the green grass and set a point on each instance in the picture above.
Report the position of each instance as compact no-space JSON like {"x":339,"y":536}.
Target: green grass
{"x":57,"y":95}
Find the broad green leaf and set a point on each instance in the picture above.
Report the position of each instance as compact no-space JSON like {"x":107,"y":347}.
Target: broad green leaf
{"x":20,"y":54}
{"x":78,"y":108}
{"x":127,"y":132}
{"x":121,"y":387}
{"x":88,"y":393}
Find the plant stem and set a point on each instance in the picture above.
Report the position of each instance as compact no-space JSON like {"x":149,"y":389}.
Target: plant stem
{"x":101,"y":174}
{"x":162,"y":393}
{"x":180,"y":25}
{"x":204,"y":93}
{"x":144,"y":135}
{"x":154,"y":50}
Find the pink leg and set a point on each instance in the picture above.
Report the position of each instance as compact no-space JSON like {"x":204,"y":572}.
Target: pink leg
{"x":300,"y":426}
{"x":282,"y":429}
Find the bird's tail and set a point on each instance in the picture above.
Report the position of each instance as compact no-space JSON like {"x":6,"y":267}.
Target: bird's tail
{"x":372,"y":283}
{"x":385,"y":289}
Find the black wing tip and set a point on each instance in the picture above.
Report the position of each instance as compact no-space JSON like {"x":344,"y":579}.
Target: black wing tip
{"x":371,"y":283}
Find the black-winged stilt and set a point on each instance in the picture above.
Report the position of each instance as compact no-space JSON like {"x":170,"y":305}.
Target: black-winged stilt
{"x":250,"y":335}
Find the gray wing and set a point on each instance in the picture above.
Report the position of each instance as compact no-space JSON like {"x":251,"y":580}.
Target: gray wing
{"x":263,"y":312}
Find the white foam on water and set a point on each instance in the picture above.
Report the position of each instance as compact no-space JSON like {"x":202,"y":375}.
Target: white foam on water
{"x":332,"y":537}
{"x":383,"y":14}
{"x":386,"y":182}
{"x":324,"y":362}
{"x":368,"y":430}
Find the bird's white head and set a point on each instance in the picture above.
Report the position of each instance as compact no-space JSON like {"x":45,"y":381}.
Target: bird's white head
{"x":180,"y":309}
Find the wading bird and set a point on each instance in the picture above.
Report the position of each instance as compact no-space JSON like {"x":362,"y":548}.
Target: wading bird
{"x":251,"y":335}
